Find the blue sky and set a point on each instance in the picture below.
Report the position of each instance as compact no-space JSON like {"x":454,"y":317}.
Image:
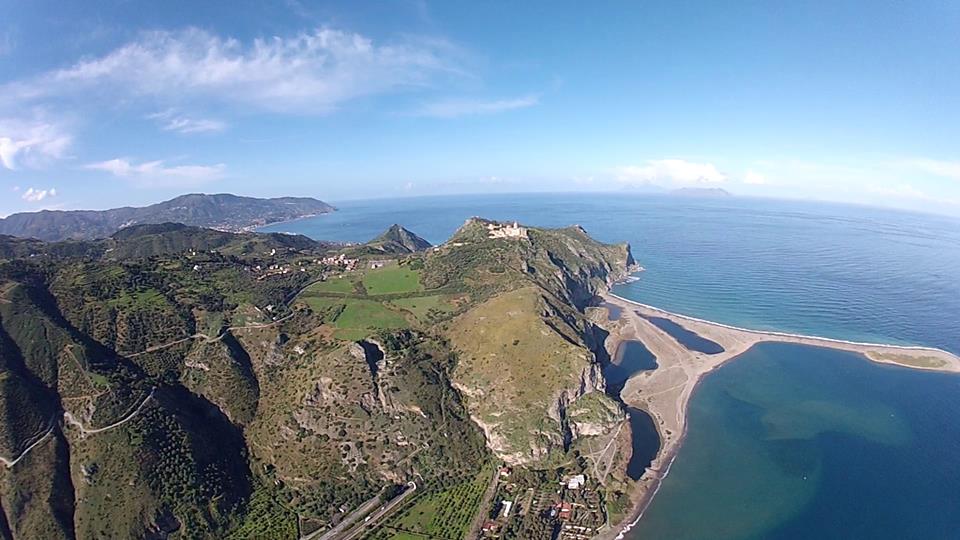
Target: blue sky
{"x":122,"y":102}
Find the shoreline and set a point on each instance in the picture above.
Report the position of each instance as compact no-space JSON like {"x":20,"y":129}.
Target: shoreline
{"x":779,"y":334}
{"x":664,"y":393}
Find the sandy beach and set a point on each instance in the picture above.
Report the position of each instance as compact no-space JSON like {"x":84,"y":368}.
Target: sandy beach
{"x":665,"y":392}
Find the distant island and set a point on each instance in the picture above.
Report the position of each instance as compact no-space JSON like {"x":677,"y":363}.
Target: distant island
{"x":224,"y":212}
{"x":701,"y":192}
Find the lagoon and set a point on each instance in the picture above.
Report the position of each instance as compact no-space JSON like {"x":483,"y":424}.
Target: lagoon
{"x":795,"y":442}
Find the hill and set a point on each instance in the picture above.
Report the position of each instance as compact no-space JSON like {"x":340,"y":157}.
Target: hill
{"x":398,"y":240}
{"x":174,"y":381}
{"x":222,"y":211}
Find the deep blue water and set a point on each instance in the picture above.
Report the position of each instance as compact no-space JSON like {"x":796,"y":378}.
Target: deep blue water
{"x":833,"y":270}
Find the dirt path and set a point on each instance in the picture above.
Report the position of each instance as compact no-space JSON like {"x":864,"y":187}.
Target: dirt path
{"x":84,"y":431}
{"x":205,"y":337}
{"x":11,"y":462}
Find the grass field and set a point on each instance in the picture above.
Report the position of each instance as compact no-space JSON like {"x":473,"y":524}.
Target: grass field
{"x":333,"y":285}
{"x":369,"y":314}
{"x":443,"y":514}
{"x":420,"y":306}
{"x":392,"y":279}
{"x":359,"y":317}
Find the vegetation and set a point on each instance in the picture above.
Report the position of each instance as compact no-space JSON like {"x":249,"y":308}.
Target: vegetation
{"x":186,"y":382}
{"x":391,"y":279}
{"x":442,"y":512}
{"x":425,"y":308}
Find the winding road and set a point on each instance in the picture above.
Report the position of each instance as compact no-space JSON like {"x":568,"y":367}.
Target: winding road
{"x":84,"y":431}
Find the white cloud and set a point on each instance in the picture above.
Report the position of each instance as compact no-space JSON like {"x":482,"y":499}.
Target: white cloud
{"x":754,"y":178}
{"x":37,"y":195}
{"x":946,"y":169}
{"x":671,"y":171}
{"x":157,"y":174}
{"x":31,"y":143}
{"x":454,"y":108}
{"x":311,"y":72}
{"x":170,"y":120}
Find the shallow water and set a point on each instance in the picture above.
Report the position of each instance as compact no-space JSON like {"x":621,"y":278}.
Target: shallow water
{"x":689,"y":339}
{"x":797,"y":442}
{"x":631,"y":357}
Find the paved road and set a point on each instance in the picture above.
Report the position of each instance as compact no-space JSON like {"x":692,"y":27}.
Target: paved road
{"x":334,"y":533}
{"x":383,"y":512}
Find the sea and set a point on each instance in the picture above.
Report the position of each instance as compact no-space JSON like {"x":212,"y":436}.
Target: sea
{"x":786,"y":441}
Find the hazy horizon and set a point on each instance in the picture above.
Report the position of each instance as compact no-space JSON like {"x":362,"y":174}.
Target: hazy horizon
{"x":125,"y":103}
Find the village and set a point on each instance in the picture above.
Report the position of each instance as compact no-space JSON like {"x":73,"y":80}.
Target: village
{"x":570,"y":509}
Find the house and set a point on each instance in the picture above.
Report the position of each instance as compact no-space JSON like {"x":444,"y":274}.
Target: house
{"x":505,"y":507}
{"x":576,"y":482}
{"x":496,"y":230}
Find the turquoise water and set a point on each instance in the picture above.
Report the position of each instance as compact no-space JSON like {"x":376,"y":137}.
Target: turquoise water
{"x":838,"y":271}
{"x":786,"y":442}
{"x":795,"y":442}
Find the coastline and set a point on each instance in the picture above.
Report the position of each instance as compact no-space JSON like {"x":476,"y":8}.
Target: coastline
{"x":257,"y":228}
{"x":664,"y":393}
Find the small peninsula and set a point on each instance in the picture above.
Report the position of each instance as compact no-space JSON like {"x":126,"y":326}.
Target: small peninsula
{"x":664,"y":393}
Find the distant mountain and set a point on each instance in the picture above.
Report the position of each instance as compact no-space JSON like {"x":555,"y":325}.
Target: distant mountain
{"x":701,"y":192}
{"x":399,"y":240}
{"x":222,"y":211}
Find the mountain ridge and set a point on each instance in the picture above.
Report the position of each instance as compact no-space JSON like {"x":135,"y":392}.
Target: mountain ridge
{"x":222,"y":211}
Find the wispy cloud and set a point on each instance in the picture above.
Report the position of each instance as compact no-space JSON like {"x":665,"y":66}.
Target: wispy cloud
{"x":453,"y":108}
{"x":945,"y":169}
{"x":31,"y":142}
{"x":158,"y":174}
{"x":670,"y":171}
{"x":312,"y":72}
{"x":170,"y":120}
{"x":37,"y":195}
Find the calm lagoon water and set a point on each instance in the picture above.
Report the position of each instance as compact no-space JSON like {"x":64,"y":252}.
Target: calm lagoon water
{"x":795,"y":442}
{"x":787,"y":441}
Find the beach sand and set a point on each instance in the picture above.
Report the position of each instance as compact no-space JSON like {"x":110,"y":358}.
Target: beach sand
{"x":664,"y":393}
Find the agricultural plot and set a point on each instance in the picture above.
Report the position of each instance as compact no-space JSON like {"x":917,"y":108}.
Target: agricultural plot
{"x":439,"y":515}
{"x":392,"y":279}
{"x":357,"y":318}
{"x":341,"y":285}
{"x":422,"y":306}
